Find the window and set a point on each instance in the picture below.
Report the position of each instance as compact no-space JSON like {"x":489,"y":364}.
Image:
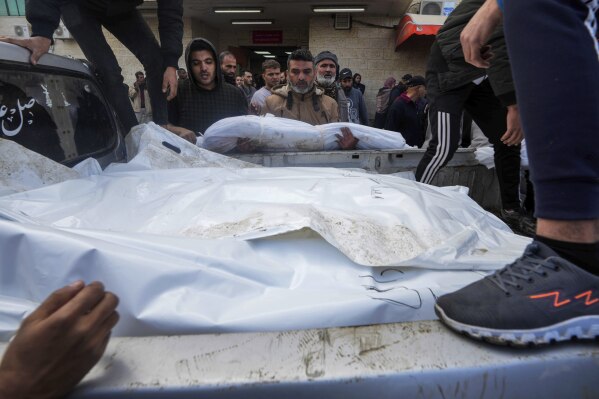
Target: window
{"x":62,"y":117}
{"x":12,"y":8}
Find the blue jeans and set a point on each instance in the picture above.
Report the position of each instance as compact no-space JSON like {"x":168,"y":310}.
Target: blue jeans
{"x":133,"y":31}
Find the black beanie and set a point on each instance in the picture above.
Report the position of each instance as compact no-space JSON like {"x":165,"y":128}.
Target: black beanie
{"x":327,"y":55}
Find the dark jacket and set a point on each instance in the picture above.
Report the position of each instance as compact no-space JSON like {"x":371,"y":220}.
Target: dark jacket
{"x":403,"y":117}
{"x":44,"y":17}
{"x":396,"y":92}
{"x":196,"y":108}
{"x":451,"y":68}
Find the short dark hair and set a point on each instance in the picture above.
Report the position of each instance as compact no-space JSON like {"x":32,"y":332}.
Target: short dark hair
{"x":139,"y":73}
{"x":270,"y":64}
{"x":300,"y":55}
{"x":182,"y":69}
{"x":244,"y":71}
{"x":222,"y":56}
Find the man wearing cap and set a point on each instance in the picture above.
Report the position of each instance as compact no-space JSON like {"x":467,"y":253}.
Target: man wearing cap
{"x":399,"y":88}
{"x":403,"y":116}
{"x":327,"y":74}
{"x":357,"y":106}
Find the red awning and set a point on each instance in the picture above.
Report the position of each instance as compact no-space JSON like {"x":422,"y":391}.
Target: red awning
{"x":417,"y":24}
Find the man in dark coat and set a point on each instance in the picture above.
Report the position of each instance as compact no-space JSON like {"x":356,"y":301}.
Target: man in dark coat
{"x":205,"y":97}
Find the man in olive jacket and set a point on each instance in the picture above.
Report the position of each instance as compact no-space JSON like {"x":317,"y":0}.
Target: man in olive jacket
{"x":85,"y":19}
{"x":300,"y":99}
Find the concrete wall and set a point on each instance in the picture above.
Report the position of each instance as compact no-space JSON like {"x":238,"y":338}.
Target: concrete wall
{"x":370,"y":51}
{"x":199,"y":29}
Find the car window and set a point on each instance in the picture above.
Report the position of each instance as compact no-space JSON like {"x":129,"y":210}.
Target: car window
{"x":60,"y":116}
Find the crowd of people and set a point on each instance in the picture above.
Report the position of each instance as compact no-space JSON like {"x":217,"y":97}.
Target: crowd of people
{"x":548,"y":294}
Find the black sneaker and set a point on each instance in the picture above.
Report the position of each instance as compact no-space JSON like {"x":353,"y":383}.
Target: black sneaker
{"x":519,"y":222}
{"x":539,"y":299}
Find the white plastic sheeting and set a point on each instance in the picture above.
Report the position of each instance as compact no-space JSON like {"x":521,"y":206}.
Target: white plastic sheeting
{"x":485,"y":156}
{"x":150,"y":147}
{"x":271,"y":134}
{"x":22,"y":170}
{"x":246,"y":249}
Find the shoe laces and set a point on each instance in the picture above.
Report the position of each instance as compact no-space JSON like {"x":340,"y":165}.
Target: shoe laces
{"x":525,"y":268}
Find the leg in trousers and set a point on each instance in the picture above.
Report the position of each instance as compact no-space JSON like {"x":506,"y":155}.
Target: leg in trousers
{"x":490,"y":115}
{"x":445,"y":118}
{"x":87,"y":31}
{"x":133,"y":31}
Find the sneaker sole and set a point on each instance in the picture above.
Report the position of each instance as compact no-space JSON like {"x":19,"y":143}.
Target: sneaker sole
{"x":580,"y":328}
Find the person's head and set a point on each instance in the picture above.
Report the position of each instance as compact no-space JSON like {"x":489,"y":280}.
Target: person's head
{"x":239,"y":80}
{"x":416,"y":88}
{"x":203,"y":67}
{"x":357,"y":78}
{"x":283,"y":77}
{"x":390,"y":82}
{"x":182,"y":73}
{"x":140,"y":77}
{"x":406,"y":78}
{"x":300,"y":70}
{"x":326,"y":66}
{"x":201,"y":60}
{"x":228,"y":64}
{"x":271,"y":73}
{"x":248,"y":78}
{"x":345,"y":77}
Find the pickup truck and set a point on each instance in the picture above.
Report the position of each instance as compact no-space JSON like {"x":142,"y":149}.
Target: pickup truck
{"x":412,"y":359}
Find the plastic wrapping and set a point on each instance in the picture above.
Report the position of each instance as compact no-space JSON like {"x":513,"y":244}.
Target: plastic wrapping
{"x":485,"y":156}
{"x":271,"y":134}
{"x":22,"y":169}
{"x":245,"y":249}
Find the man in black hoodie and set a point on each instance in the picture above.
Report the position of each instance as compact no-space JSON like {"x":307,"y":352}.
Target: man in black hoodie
{"x":85,"y":20}
{"x":205,"y":97}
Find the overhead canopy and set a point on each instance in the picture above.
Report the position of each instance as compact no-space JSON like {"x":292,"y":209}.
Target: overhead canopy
{"x":417,"y":24}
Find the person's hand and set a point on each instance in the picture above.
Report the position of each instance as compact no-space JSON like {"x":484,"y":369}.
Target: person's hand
{"x":477,"y":33}
{"x":38,"y":45}
{"x":59,"y":342}
{"x":245,"y":146}
{"x":346,"y":140}
{"x":170,"y":83}
{"x":255,"y":109}
{"x":182,"y":132}
{"x":514,"y":133}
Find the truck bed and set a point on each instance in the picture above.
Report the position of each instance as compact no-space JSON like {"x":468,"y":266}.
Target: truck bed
{"x":401,"y":360}
{"x":462,"y":170}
